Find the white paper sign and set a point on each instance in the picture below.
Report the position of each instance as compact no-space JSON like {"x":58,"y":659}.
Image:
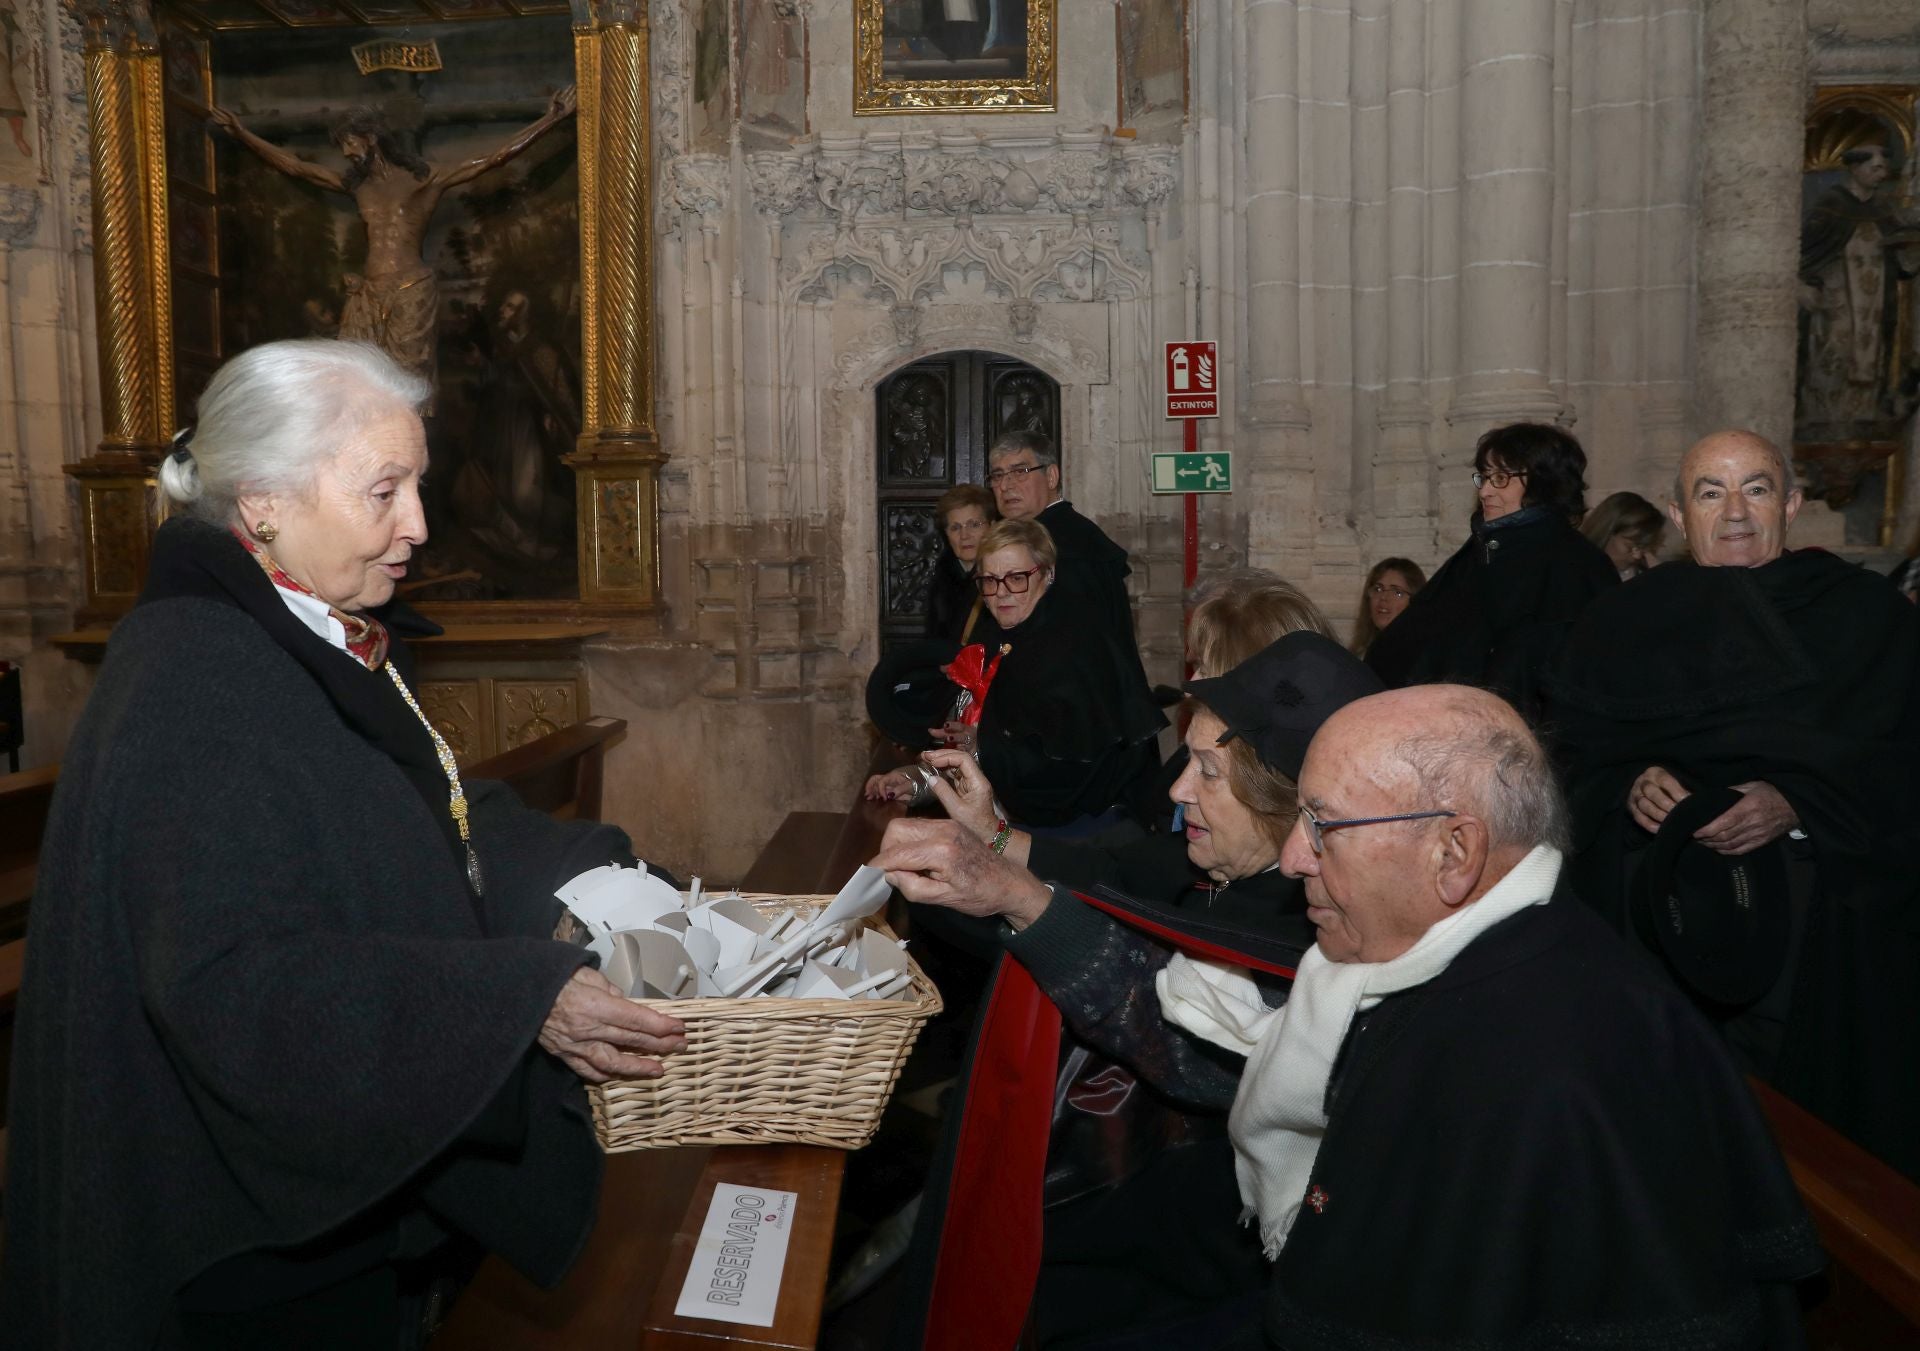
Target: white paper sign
{"x":739,"y":1256}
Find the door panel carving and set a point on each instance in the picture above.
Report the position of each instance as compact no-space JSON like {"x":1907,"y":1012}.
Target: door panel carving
{"x":935,"y":421}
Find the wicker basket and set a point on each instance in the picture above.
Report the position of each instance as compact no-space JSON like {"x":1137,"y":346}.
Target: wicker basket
{"x":761,"y":1071}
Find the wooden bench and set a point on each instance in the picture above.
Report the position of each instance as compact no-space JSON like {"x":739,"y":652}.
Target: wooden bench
{"x":1868,"y":1216}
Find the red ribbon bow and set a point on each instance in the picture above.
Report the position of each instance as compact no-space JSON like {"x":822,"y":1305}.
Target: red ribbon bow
{"x":972,"y":672}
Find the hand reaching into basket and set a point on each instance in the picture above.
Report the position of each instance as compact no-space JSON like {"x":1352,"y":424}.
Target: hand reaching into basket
{"x":941,"y":863}
{"x":597,"y":1031}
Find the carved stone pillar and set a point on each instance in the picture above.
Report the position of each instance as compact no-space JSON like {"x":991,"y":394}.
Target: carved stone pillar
{"x":618,"y":458}
{"x":1507,"y":116}
{"x":1751,"y":147}
{"x":133,"y":306}
{"x":1280,"y":516}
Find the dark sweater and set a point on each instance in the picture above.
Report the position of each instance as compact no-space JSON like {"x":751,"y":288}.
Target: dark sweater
{"x":261,"y":1003}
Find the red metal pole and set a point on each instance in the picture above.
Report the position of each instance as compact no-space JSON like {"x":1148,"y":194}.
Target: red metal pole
{"x":1193,"y":509}
{"x":1191,"y":569}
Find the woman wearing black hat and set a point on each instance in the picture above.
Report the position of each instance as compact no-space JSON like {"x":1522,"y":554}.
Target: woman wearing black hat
{"x":1140,"y":1231}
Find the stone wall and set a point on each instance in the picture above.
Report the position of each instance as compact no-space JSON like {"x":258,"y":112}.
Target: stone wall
{"x":49,"y":404}
{"x":1405,"y":221}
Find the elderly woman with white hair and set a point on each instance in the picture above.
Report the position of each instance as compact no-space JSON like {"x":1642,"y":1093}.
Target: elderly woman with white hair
{"x":295,"y":1040}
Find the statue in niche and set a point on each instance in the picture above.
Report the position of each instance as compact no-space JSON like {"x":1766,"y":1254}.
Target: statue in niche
{"x":1859,"y":365}
{"x":514,"y":491}
{"x":393,"y":302}
{"x":1153,"y":60}
{"x":12,"y":106}
{"x":712,"y":76}
{"x":773,"y":85}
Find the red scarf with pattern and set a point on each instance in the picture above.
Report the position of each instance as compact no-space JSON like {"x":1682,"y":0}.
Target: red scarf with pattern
{"x":366,"y":638}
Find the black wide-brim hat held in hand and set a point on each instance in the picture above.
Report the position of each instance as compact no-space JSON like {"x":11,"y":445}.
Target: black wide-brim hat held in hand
{"x":1721,"y":921}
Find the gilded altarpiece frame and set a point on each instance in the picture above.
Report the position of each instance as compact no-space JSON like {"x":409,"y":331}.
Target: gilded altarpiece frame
{"x":615,"y":457}
{"x":953,"y":56}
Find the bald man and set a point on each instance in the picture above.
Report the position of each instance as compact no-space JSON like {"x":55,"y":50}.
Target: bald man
{"x":1788,"y":677}
{"x":1476,"y":1120}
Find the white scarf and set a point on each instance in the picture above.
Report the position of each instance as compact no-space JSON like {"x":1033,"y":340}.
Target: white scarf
{"x":1279,"y":1115}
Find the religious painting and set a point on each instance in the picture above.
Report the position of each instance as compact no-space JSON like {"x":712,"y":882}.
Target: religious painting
{"x":712,"y":77}
{"x":773,"y":73}
{"x":951,"y":56}
{"x":1152,"y":44}
{"x":1858,"y":369}
{"x":19,"y":162}
{"x":415,"y":188}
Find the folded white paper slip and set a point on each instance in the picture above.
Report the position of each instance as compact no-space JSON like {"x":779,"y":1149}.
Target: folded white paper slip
{"x":739,"y":1257}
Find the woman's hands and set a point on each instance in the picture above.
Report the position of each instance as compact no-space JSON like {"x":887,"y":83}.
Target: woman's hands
{"x":895,"y":785}
{"x":962,"y":787}
{"x":940,"y":863}
{"x":596,"y":1030}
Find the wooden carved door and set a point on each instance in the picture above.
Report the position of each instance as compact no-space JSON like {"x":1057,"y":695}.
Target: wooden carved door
{"x":936,"y":419}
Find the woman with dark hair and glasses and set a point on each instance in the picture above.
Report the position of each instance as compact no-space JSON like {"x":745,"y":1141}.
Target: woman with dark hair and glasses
{"x":1069,"y":724}
{"x":1498,"y":611}
{"x":1391,"y":586}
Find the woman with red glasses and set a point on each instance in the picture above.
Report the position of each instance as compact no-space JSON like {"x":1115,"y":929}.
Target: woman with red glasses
{"x":1069,"y":724}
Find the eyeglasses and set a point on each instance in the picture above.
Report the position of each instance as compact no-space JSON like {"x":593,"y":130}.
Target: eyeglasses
{"x":1499,"y":478}
{"x":1016,"y":582}
{"x":1012,"y":471}
{"x":1317,"y":829}
{"x":1382,"y":589}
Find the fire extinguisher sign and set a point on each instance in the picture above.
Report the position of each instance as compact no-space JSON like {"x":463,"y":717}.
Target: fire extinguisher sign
{"x":1193,"y":375}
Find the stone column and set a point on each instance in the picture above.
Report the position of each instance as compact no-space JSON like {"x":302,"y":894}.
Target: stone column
{"x":1507,"y":192}
{"x":1280,"y":517}
{"x":1400,"y":501}
{"x":1751,"y":134}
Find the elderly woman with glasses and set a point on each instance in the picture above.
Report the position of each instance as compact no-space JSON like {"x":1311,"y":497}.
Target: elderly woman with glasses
{"x":1068,"y":725}
{"x":295,"y":1039}
{"x":1497,"y":613}
{"x":1140,"y":1224}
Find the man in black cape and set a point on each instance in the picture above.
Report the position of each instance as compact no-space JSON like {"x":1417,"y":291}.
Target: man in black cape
{"x":1476,"y":1121}
{"x":1788,"y":677}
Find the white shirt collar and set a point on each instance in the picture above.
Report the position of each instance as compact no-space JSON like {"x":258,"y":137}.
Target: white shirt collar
{"x":317,"y":615}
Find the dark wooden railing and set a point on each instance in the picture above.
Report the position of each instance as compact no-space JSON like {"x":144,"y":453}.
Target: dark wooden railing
{"x":561,"y":773}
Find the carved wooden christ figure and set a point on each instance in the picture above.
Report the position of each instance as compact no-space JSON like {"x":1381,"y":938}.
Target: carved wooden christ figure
{"x":393,"y":303}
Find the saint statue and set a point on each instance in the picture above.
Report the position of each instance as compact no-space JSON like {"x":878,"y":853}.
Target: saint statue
{"x":393,"y":303}
{"x":1859,"y":363}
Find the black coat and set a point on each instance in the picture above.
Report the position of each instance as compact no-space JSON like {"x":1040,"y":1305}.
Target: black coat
{"x":262,"y":1007}
{"x":1069,"y":725}
{"x":1497,"y":612}
{"x":1093,"y":569}
{"x":1804,"y":674}
{"x":1141,"y":1232}
{"x":951,"y":596}
{"x":1543,"y":1146}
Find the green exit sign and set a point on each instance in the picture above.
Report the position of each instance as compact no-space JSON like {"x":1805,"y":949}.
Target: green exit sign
{"x":1193,"y":472}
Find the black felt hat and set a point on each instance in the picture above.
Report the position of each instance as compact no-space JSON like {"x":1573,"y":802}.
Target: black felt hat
{"x":1277,"y":698}
{"x":1721,"y":920}
{"x":908,"y":693}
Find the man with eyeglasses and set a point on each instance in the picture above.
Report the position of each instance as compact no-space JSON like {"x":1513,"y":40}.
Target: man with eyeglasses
{"x":1477,"y":1119}
{"x":1789,"y":677}
{"x":1023,"y":470}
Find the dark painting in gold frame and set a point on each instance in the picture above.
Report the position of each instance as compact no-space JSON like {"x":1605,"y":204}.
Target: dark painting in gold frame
{"x":953,"y":56}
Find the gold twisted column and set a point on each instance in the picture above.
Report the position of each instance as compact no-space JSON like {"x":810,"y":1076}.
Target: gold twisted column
{"x":134,"y":312}
{"x":618,"y":458}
